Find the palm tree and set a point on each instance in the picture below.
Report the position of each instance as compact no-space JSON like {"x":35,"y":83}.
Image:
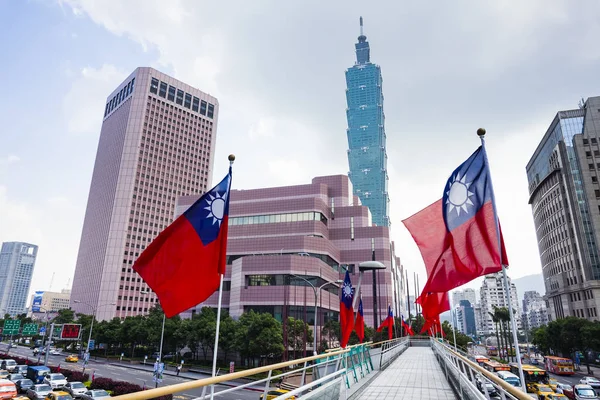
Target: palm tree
{"x":504,"y":317}
{"x":496,"y":320}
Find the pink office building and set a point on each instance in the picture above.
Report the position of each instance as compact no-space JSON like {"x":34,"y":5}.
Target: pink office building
{"x":157,"y":143}
{"x":314,"y":231}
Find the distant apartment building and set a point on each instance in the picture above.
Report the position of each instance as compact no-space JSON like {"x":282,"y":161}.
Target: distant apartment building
{"x":17,"y":261}
{"x":480,"y":320}
{"x":492,"y":295}
{"x":281,"y":237}
{"x":536,"y":315}
{"x":465,"y":316}
{"x":530,"y":296}
{"x":466,"y":294}
{"x":157,"y":142}
{"x":564,"y":193}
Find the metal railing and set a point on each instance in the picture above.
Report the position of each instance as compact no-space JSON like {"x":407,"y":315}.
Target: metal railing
{"x":464,"y":374}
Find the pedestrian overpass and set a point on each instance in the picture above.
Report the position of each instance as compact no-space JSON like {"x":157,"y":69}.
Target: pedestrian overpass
{"x":409,"y":368}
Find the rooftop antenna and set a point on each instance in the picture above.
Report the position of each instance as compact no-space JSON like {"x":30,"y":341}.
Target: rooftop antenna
{"x":361,"y":26}
{"x":51,"y":281}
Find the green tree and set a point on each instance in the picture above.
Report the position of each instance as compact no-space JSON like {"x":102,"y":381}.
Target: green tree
{"x":330,"y":332}
{"x":259,"y":335}
{"x":227,"y":334}
{"x":417,"y":324}
{"x":296,"y":329}
{"x":496,"y":320}
{"x":540,"y":339}
{"x":64,"y":316}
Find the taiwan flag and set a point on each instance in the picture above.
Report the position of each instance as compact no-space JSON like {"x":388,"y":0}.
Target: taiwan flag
{"x":359,"y":324}
{"x":407,"y":328}
{"x":457,"y":234}
{"x":433,"y":304}
{"x":184,"y":263}
{"x":346,"y":311}
{"x":389,"y":322}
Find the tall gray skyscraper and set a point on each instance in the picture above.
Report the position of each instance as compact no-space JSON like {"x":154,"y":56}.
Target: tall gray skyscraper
{"x":564,"y":193}
{"x":157,"y":142}
{"x":17,"y":261}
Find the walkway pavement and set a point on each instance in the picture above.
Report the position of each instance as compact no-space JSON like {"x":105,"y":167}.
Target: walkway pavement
{"x":416,"y":374}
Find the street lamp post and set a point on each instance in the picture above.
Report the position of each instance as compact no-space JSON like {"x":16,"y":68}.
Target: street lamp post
{"x":94,"y":309}
{"x":317,"y":291}
{"x":362,"y":267}
{"x":162,"y":333}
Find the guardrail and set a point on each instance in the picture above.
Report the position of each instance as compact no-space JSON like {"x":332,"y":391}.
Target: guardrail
{"x":463,"y":374}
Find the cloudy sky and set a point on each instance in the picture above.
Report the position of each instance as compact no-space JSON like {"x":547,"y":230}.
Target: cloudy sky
{"x":277,"y":69}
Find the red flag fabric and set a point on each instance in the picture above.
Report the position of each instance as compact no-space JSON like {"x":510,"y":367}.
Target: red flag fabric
{"x":407,"y":328}
{"x":457,"y":234}
{"x":428,"y":325}
{"x":389,"y":322}
{"x":184,"y":263}
{"x":359,"y":324}
{"x":433,"y":304}
{"x":346,"y":311}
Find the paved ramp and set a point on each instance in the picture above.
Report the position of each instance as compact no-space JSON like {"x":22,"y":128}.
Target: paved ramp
{"x":416,"y":374}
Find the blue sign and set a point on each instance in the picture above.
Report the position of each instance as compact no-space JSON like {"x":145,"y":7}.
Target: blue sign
{"x":37,"y":301}
{"x":91,"y":344}
{"x":43,"y":330}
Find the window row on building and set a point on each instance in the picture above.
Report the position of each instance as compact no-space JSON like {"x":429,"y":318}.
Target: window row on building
{"x":182,"y":98}
{"x":287,"y":280}
{"x":277,"y":218}
{"x":119,"y":97}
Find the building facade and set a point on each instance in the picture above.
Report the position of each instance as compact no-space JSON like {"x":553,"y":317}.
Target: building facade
{"x":480,"y":320}
{"x":536,"y":315}
{"x":51,"y":301}
{"x":156,"y":143}
{"x":467,"y":294}
{"x":530,"y":296}
{"x":465,"y":317}
{"x":281,"y":237}
{"x":17,"y":261}
{"x":565,"y":201}
{"x":493,"y":294}
{"x":367,"y":156}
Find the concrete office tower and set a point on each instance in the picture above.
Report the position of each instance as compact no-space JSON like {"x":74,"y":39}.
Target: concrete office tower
{"x":564,"y":194}
{"x":315,"y":231}
{"x":367,"y":155}
{"x":467,"y":294}
{"x":17,"y":261}
{"x":492,"y":295}
{"x":157,"y":142}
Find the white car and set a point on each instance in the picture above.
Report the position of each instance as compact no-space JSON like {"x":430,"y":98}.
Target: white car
{"x":593,"y":382}
{"x":96,"y":394}
{"x":55,"y":380}
{"x":55,"y":352}
{"x":75,"y":389}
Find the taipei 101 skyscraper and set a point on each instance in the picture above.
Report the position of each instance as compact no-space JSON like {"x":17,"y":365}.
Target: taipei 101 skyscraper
{"x":367,"y":155}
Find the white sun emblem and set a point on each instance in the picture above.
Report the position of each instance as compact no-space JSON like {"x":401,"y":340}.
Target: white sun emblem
{"x":347,"y":290}
{"x":458,"y":195}
{"x":216,"y":208}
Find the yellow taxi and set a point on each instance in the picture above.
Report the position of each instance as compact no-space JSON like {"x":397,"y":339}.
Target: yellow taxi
{"x":556,"y":396}
{"x":72,"y":358}
{"x":59,"y":395}
{"x":272,"y":394}
{"x":542,"y":391}
{"x":553,"y":383}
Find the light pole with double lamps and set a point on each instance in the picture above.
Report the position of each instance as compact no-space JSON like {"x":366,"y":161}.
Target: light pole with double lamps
{"x":94,"y":310}
{"x":317,"y":291}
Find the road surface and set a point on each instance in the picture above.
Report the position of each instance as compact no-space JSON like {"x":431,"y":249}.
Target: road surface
{"x":141,"y":377}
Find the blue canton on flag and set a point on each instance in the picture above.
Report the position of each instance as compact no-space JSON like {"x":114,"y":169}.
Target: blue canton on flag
{"x":466,"y":191}
{"x":347,"y":292}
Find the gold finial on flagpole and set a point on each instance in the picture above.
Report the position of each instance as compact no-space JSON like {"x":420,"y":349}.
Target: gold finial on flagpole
{"x":231,"y":159}
{"x":481,"y":132}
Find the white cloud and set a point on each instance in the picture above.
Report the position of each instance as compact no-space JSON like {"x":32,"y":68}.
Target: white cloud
{"x":84,"y":103}
{"x":9,"y":159}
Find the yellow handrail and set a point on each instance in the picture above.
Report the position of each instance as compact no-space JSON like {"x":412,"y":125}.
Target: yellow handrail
{"x":509,"y":388}
{"x":179,"y":387}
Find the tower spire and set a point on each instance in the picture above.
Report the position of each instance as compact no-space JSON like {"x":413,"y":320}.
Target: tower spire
{"x":361,"y":26}
{"x":362,"y":47}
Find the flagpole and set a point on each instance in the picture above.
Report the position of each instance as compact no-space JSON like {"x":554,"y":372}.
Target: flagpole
{"x":408,"y":299}
{"x":231,"y":159}
{"x":481,"y":133}
{"x":453,"y":313}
